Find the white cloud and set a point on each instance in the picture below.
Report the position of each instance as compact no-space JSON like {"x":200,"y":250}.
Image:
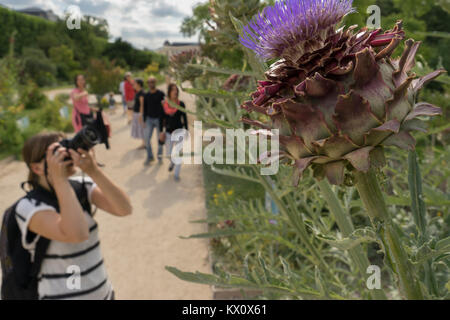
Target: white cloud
{"x":144,"y":23}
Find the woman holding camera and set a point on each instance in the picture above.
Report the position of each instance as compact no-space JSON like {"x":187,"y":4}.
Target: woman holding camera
{"x":81,"y":112}
{"x":72,"y":230}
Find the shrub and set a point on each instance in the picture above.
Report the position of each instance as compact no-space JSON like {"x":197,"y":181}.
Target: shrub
{"x":63,"y":58}
{"x":62,"y":98}
{"x":11,"y":139}
{"x":103,"y":77}
{"x":32,"y":97}
{"x":38,"y":67}
{"x":8,"y":82}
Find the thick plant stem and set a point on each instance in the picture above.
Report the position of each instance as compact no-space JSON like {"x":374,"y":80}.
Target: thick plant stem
{"x":373,"y":201}
{"x":345,"y":224}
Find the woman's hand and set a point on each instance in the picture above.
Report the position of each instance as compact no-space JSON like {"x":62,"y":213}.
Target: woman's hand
{"x":162,"y":137}
{"x":58,"y":167}
{"x":85,"y":160}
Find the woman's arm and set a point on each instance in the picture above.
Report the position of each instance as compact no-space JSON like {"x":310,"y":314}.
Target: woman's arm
{"x":80,"y":95}
{"x":108,"y":196}
{"x":71,"y":224}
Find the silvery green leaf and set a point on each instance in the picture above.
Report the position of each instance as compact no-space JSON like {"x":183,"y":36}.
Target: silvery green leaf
{"x":357,"y":237}
{"x":443,"y":244}
{"x":223,"y":71}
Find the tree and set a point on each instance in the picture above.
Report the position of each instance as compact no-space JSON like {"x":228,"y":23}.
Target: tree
{"x":38,"y":67}
{"x":103,"y":76}
{"x":219,"y":38}
{"x":62,"y":57}
{"x":122,"y":51}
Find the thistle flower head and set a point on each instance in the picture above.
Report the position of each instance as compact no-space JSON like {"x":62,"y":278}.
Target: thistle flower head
{"x":179,"y":65}
{"x":279,"y":30}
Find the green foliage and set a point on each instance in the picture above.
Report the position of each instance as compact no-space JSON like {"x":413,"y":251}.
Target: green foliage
{"x":9,"y":82}
{"x":58,"y":53}
{"x":301,"y":252}
{"x":103,"y":76}
{"x":47,"y":117}
{"x":32,"y":97}
{"x":127,"y":56}
{"x":38,"y":67}
{"x":420,"y":20}
{"x":63,"y":58}
{"x":11,"y":139}
{"x":28,"y":29}
{"x":217,"y":32}
{"x":24,"y":100}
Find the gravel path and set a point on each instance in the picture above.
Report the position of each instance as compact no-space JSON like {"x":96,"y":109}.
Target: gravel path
{"x":137,"y":248}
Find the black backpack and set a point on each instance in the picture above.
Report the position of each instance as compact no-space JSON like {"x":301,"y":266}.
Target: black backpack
{"x":19,"y":273}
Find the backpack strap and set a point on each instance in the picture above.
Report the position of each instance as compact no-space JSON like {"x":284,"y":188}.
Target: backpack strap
{"x":82,"y":195}
{"x":40,"y":194}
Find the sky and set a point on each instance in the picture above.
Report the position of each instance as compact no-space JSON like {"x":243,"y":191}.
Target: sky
{"x":144,"y":23}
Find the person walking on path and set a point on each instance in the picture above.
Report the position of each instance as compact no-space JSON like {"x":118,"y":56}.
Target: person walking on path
{"x":81,"y":113}
{"x":122,"y":92}
{"x":173,"y":119}
{"x":137,"y":125}
{"x":129,"y":95}
{"x":153,"y":114}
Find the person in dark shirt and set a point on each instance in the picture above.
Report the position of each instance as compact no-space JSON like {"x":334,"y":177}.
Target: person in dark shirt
{"x":137,"y":126}
{"x":153,"y":113}
{"x":173,"y":119}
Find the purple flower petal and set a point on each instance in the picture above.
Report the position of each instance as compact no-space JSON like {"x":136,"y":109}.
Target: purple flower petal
{"x":289,"y":22}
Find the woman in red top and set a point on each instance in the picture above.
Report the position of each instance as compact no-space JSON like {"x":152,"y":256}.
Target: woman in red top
{"x":129,"y":95}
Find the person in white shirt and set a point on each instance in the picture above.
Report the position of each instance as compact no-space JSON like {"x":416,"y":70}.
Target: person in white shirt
{"x":71,"y":229}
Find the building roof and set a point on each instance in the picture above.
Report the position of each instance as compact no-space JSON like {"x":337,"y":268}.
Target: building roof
{"x":180,"y":44}
{"x":47,"y":14}
{"x":32,"y":9}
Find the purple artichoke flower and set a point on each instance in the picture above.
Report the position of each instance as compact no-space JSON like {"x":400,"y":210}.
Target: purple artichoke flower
{"x":337,"y":97}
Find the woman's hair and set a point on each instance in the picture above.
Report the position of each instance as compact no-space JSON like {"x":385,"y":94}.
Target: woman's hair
{"x":140,"y":82}
{"x":34,"y":150}
{"x":170,"y":88}
{"x":76,"y":79}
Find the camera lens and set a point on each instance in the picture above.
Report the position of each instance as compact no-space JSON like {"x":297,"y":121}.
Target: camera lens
{"x":86,"y":139}
{"x":91,"y":135}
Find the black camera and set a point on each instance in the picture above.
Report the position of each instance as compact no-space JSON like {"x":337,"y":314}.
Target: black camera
{"x":93,"y":133}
